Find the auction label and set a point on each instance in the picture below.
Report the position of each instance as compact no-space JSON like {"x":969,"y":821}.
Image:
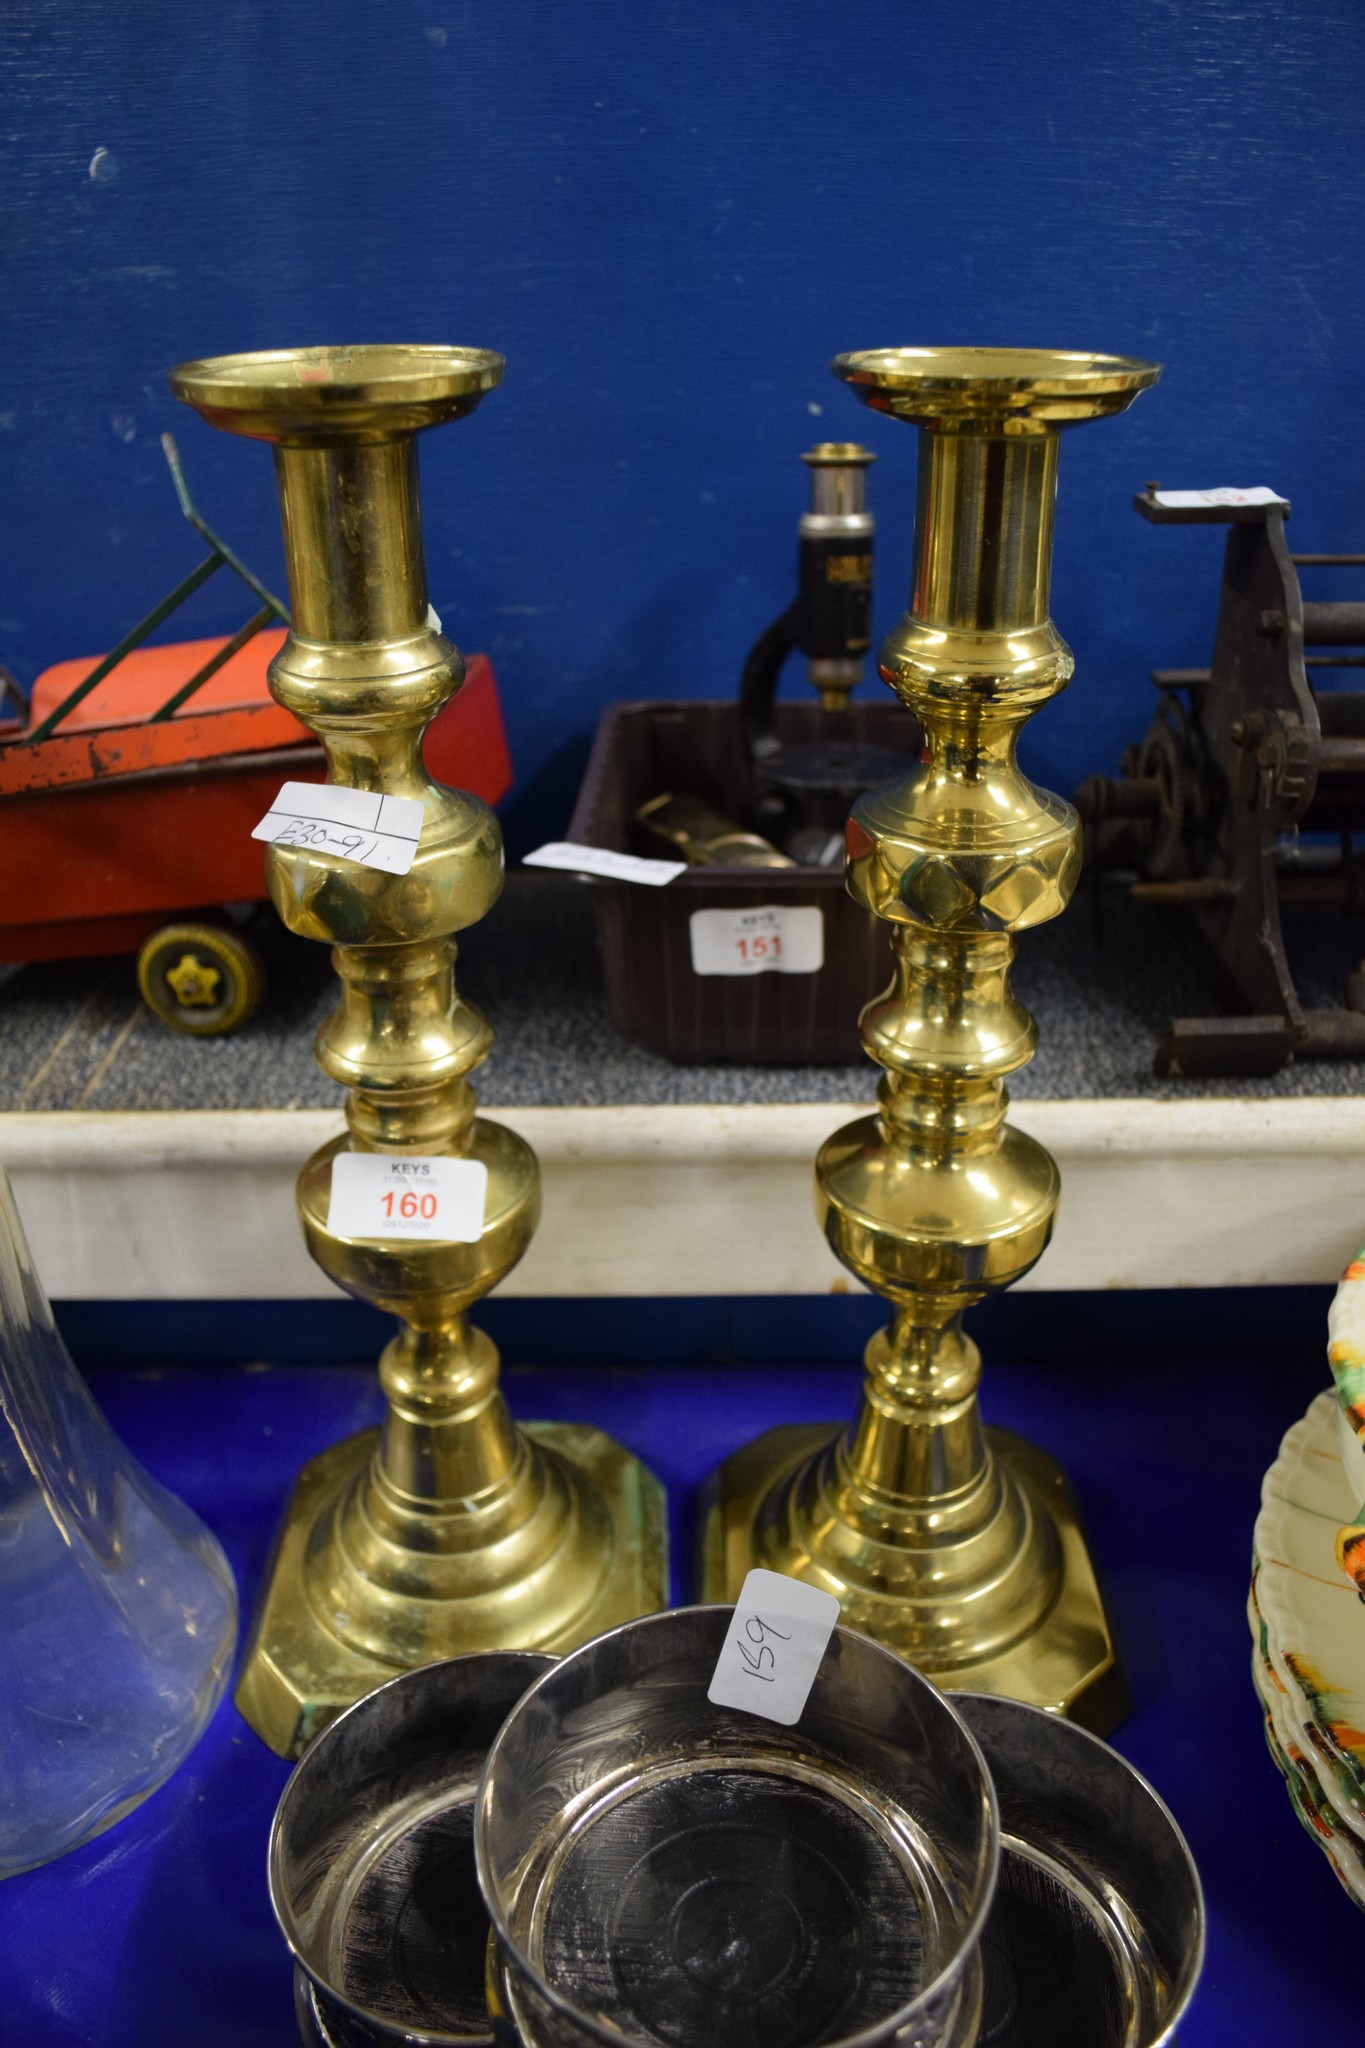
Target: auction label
{"x":354,"y":824}
{"x":778,"y":938}
{"x":377,"y":1195}
{"x":777,"y":1638}
{"x":1198,"y":501}
{"x":601,"y":860}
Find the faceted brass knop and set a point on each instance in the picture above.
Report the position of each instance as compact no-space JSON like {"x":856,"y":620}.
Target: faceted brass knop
{"x":960,"y":1549}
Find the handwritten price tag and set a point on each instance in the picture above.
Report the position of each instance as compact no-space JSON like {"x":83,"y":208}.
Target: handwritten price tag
{"x":376,"y":1195}
{"x":778,"y":938}
{"x":354,"y":824}
{"x":777,"y":1637}
{"x":600,"y":860}
{"x":1197,"y":501}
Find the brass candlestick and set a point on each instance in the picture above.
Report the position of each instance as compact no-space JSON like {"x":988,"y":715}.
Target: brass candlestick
{"x":448,"y":1530}
{"x":959,"y":1548}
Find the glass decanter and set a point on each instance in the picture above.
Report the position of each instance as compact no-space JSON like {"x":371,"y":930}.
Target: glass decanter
{"x":118,"y":1612}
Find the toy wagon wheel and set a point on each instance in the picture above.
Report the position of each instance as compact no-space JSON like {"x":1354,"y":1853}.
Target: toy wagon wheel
{"x":199,"y":978}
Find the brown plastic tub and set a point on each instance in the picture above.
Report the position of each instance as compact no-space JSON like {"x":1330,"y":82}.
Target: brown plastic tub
{"x":654,"y":994}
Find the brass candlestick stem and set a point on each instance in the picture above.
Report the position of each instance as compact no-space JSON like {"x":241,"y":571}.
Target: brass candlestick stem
{"x":957,"y":1547}
{"x":448,"y":1530}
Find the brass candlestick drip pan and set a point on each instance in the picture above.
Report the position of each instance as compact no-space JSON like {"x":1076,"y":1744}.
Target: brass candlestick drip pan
{"x":959,"y":1548}
{"x":448,"y":1530}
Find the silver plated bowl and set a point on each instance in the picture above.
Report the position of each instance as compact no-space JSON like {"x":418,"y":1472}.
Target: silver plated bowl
{"x":1096,"y":1935}
{"x":371,"y":1860}
{"x":667,"y":1873}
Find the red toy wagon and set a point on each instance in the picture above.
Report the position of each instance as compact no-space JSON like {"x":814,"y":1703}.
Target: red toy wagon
{"x":130,"y":794}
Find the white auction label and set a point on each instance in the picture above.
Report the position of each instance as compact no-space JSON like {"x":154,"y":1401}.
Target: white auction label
{"x":376,"y":1195}
{"x":778,"y":938}
{"x":1196,"y":501}
{"x":356,"y":824}
{"x":777,"y":1637}
{"x":600,"y":860}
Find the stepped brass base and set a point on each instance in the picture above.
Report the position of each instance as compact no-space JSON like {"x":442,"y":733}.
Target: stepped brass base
{"x":297,"y":1676}
{"x":1068,"y":1664}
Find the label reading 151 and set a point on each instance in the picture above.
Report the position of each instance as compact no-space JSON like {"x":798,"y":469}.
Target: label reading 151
{"x":377,"y":1195}
{"x":773,"y":1647}
{"x":775,"y":938}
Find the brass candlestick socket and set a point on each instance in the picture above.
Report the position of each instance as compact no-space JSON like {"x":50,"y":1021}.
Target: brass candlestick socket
{"x":449,"y":1529}
{"x":957,"y":1547}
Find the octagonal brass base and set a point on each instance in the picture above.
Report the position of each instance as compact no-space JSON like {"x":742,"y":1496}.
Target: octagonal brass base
{"x":1067,"y":1664}
{"x":297,"y":1675}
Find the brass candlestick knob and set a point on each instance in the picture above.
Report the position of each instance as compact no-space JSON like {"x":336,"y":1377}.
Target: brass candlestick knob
{"x":957,"y":1547}
{"x":448,"y":1530}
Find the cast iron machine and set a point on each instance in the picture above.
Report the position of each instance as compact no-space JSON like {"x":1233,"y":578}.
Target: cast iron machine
{"x":1246,"y":793}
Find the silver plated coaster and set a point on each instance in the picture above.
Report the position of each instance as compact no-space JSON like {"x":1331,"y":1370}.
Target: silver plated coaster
{"x":372,"y":1865}
{"x":1096,"y":1934}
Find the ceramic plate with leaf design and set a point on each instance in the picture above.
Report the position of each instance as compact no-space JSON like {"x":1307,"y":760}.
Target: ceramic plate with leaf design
{"x":1314,"y":1620}
{"x":1342,"y":1848}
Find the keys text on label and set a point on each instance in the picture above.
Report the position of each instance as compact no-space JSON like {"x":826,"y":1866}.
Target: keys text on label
{"x":376,"y":1195}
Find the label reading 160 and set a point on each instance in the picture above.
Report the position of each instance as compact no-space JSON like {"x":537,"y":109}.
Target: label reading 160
{"x":377,"y":1195}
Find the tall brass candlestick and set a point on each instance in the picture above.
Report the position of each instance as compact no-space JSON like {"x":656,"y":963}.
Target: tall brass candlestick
{"x":960,"y":1548}
{"x":449,"y":1529}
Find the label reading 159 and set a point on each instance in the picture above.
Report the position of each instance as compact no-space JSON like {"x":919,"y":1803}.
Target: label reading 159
{"x":773,"y":1647}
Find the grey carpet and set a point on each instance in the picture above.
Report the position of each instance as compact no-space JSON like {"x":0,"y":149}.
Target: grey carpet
{"x":73,"y":1034}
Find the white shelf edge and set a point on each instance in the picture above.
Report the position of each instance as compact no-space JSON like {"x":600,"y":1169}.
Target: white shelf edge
{"x":688,"y":1199}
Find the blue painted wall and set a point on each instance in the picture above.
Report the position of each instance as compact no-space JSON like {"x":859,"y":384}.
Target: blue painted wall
{"x":669,"y":214}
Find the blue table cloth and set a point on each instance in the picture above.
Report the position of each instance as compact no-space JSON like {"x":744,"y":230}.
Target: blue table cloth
{"x":160,"y":1931}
